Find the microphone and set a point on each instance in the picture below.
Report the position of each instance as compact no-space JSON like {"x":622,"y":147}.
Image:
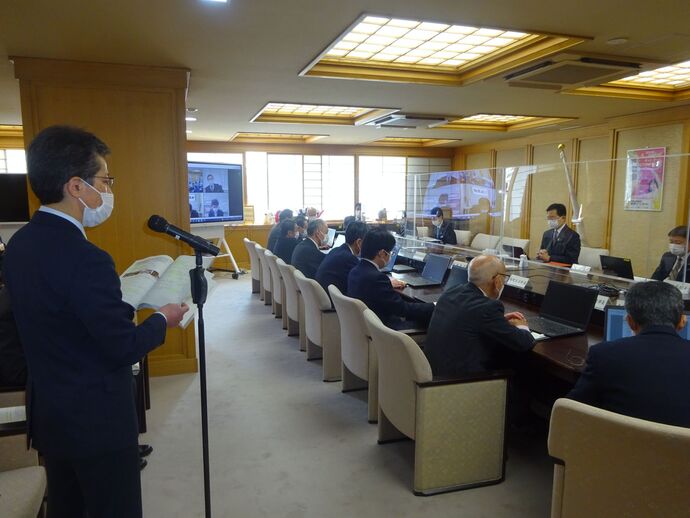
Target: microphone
{"x":159,"y":224}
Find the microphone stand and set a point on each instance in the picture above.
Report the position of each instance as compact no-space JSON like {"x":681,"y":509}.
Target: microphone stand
{"x":199,"y":293}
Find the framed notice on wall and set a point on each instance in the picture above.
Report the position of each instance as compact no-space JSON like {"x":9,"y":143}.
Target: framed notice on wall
{"x":644,"y":179}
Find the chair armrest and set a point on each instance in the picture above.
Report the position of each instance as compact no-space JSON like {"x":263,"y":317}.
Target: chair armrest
{"x":468,"y":378}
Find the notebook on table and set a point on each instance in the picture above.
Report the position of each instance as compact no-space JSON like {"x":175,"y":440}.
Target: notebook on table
{"x":435,"y":268}
{"x":565,"y":310}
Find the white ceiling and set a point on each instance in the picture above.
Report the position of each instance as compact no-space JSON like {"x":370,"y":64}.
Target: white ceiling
{"x":246,"y":53}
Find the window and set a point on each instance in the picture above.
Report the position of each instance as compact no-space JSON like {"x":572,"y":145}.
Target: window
{"x":257,"y":187}
{"x":12,"y":161}
{"x":285,"y":182}
{"x":338,"y":186}
{"x":382,"y":185}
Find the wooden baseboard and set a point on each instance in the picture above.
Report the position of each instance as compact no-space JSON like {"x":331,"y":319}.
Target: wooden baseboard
{"x":172,"y":365}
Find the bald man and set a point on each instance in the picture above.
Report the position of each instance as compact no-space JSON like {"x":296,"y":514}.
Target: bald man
{"x":469,"y":331}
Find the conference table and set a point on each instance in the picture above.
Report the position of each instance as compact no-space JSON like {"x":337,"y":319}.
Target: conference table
{"x":563,"y":358}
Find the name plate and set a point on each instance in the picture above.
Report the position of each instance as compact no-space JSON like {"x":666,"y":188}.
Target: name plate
{"x":419,"y":256}
{"x":683,"y":287}
{"x":580,"y":268}
{"x":602,"y":302}
{"x":517,"y":282}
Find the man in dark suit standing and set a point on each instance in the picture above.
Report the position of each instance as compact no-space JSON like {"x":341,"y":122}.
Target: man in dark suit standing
{"x":275,"y":231}
{"x":647,"y":375}
{"x":674,"y":263}
{"x":469,"y":331}
{"x":335,"y":268}
{"x":560,"y":244}
{"x":443,"y":230}
{"x":78,"y":335}
{"x":367,"y":283}
{"x":307,"y":256}
{"x":211,"y":186}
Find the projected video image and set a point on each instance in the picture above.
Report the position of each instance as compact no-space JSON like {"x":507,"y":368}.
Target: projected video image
{"x":215,"y":192}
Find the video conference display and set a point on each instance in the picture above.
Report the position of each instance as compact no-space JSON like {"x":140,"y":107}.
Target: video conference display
{"x":215,"y":192}
{"x":14,"y":200}
{"x":463,"y":192}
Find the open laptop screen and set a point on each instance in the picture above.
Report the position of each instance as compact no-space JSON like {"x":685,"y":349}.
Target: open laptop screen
{"x":330,"y":237}
{"x":391,"y":262}
{"x":339,"y":240}
{"x":618,"y":266}
{"x":436,"y":266}
{"x":616,"y":327}
{"x":458,"y":276}
{"x":568,"y":304}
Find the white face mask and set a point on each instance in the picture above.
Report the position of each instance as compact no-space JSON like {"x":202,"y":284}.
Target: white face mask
{"x":94,"y":217}
{"x":676,"y":249}
{"x":553,"y":223}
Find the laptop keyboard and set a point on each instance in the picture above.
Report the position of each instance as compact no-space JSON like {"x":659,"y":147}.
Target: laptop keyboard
{"x":549,"y":327}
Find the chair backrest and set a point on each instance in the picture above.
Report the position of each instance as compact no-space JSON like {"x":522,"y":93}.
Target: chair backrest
{"x":315,"y":300}
{"x":291,"y":290}
{"x":463,"y":237}
{"x":253,"y":259}
{"x":422,"y":231}
{"x":276,"y":277}
{"x":590,"y":256}
{"x":354,"y":340}
{"x":265,"y":270}
{"x":616,"y":465}
{"x":401,"y":364}
{"x":484,"y":241}
{"x":515,"y":241}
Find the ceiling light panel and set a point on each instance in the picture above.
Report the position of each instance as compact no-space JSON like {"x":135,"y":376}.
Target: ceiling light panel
{"x":317,"y":113}
{"x":671,"y":77}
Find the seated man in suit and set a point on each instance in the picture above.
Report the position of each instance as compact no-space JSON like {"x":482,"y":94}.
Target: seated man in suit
{"x":647,"y":375}
{"x":275,"y":231}
{"x":443,"y":230}
{"x":674,"y":263}
{"x":560,"y":244}
{"x":337,"y":265}
{"x":307,"y":255}
{"x":469,"y":331}
{"x":211,"y":186}
{"x":215,"y":211}
{"x":287,"y":240}
{"x":301,"y":222}
{"x":374,"y":288}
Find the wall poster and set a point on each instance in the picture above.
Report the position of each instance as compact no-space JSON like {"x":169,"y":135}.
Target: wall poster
{"x":644,"y":179}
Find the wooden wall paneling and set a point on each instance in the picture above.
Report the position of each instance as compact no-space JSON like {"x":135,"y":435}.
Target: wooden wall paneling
{"x":139,"y":113}
{"x":593,"y":187}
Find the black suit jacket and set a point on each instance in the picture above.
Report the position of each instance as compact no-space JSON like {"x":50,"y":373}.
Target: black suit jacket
{"x":666,"y":265}
{"x":273,"y":236}
{"x":645,"y":376}
{"x":216,"y":187}
{"x":446,"y":233}
{"x":307,"y":258}
{"x":12,"y":360}
{"x":567,"y":246}
{"x":366,"y":283}
{"x":336,"y":267}
{"x":284,"y":248}
{"x":469,"y":333}
{"x":79,"y":340}
{"x":217,"y":214}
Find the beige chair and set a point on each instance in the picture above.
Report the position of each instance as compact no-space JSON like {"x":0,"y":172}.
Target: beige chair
{"x":259,"y":258}
{"x":293,"y":309}
{"x":609,"y":465}
{"x":322,"y":327}
{"x":463,"y":237}
{"x":22,"y":480}
{"x":514,"y":241}
{"x":253,"y":265}
{"x":590,"y":256}
{"x":277,"y":286}
{"x":458,"y":425}
{"x":484,"y":241}
{"x":359,"y":365}
{"x":266,"y":281}
{"x":422,"y":231}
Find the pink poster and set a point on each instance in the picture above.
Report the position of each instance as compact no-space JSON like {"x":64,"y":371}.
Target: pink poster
{"x":644,"y":179}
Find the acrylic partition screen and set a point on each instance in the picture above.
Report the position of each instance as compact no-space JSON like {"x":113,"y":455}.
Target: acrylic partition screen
{"x":623,"y":208}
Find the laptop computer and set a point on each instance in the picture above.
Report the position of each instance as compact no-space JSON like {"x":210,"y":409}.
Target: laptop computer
{"x":615,"y":325}
{"x":391,"y":262}
{"x":457,"y":276}
{"x":565,"y":310}
{"x":330,"y":237}
{"x":514,"y":251}
{"x":434,"y":272}
{"x":618,"y":266}
{"x":339,"y":240}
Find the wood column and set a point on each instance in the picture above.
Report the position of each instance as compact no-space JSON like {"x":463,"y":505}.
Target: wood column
{"x":138,"y":111}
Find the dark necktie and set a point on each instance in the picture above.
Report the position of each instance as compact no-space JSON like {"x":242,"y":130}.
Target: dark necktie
{"x":676,"y":268}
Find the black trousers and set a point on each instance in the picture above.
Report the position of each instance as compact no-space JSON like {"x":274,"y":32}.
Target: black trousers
{"x":104,"y":486}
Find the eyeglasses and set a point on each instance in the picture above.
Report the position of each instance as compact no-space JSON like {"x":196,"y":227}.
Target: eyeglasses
{"x":110,"y":180}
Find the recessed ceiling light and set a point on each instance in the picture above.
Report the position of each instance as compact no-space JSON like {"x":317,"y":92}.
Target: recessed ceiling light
{"x":190,"y":119}
{"x":192,"y":110}
{"x":621,"y":40}
{"x":218,"y":1}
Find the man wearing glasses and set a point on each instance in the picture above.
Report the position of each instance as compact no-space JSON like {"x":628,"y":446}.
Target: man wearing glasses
{"x":78,"y":335}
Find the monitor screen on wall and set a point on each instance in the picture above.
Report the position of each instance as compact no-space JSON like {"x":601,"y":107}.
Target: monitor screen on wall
{"x":14,"y":198}
{"x":215,"y":192}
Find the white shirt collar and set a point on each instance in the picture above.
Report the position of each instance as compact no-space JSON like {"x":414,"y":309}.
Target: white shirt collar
{"x":351,"y":250}
{"x":63,"y":215}
{"x":372,"y":262}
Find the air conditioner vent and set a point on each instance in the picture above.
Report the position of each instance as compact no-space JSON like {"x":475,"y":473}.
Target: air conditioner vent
{"x":401,"y":120}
